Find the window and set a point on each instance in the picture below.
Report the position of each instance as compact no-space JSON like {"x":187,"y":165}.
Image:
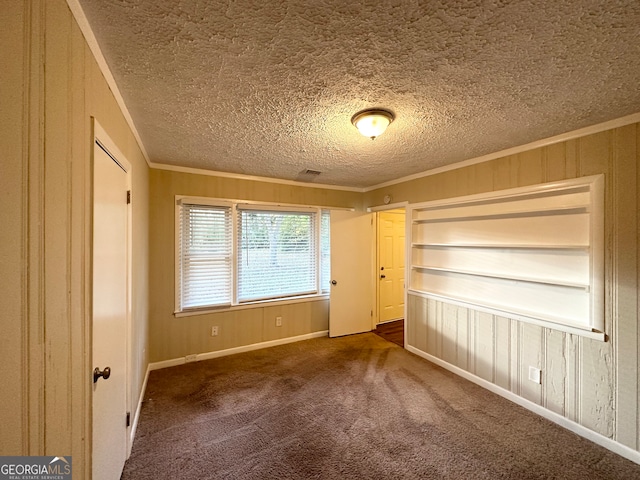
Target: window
{"x":230,"y":254}
{"x":205,"y":256}
{"x":277,"y":254}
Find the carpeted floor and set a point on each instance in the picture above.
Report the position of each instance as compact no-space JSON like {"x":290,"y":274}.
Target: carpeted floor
{"x":355,"y":407}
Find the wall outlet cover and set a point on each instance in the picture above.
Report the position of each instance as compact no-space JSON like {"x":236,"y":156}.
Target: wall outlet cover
{"x":535,"y":375}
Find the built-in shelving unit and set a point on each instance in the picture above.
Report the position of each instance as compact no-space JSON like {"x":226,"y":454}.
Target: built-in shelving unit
{"x":533,"y":251}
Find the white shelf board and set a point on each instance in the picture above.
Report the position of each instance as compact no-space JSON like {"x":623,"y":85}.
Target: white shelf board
{"x":580,"y":286}
{"x":547,"y":321}
{"x":503,"y":246}
{"x":510,"y":214}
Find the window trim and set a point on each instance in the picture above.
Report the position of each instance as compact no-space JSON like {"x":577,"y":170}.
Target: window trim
{"x":235,"y":206}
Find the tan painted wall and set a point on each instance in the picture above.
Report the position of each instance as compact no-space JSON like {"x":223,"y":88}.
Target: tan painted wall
{"x":172,"y":337}
{"x":51,"y":86}
{"x":587,"y":381}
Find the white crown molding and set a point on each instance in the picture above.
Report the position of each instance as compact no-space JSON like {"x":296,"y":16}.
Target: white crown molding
{"x":563,"y":137}
{"x":87,"y":32}
{"x":254,"y":178}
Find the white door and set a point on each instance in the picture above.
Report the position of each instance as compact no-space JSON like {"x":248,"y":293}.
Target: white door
{"x":110,"y":284}
{"x":351,"y":286}
{"x":391,"y":247}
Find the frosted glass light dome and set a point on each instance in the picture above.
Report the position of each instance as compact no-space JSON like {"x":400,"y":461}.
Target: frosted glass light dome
{"x":373,"y":122}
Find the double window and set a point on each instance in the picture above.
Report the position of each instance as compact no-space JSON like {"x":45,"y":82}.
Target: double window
{"x":234,"y":253}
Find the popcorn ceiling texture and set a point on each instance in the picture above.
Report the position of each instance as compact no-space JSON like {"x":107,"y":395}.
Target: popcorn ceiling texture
{"x":269,"y":87}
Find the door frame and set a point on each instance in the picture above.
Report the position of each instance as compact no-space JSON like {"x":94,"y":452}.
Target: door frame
{"x":375,"y":251}
{"x":100,"y":136}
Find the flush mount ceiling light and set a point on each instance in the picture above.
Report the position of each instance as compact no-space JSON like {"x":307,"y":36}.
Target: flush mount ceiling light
{"x":372,"y":122}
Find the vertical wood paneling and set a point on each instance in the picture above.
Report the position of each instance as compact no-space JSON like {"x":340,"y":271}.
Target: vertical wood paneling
{"x":80,"y":240}
{"x":421,"y":330}
{"x":449,"y":333}
{"x":57,"y":229}
{"x":516,"y":353}
{"x":320,"y":316}
{"x":625,"y":282}
{"x":35,"y":241}
{"x":596,"y":387}
{"x":502,"y":352}
{"x":432,"y":327}
{"x":555,"y":163}
{"x":14,"y":414}
{"x":572,"y":381}
{"x":572,"y":162}
{"x":501,"y":169}
{"x":462,"y":354}
{"x":531,"y":355}
{"x":554,"y":371}
{"x":484,"y":341}
{"x":597,"y":373}
{"x":481,"y":178}
{"x":471,"y":339}
{"x":411,"y":320}
{"x":530,"y":169}
{"x":436,"y":333}
{"x":47,"y":135}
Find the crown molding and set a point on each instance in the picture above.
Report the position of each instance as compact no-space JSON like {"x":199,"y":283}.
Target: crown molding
{"x":563,"y":137}
{"x":253,"y":178}
{"x":90,"y":38}
{"x":87,"y":32}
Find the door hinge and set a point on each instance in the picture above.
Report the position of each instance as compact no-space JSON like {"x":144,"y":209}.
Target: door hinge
{"x":128,"y":197}
{"x":128,"y":419}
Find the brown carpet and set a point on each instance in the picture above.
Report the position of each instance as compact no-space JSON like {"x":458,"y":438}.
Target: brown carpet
{"x":355,"y":407}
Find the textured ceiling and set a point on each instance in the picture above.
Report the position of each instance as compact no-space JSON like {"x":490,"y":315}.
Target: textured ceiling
{"x":268,"y":88}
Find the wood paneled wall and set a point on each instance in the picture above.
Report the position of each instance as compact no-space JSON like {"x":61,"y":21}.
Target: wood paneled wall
{"x":51,"y":87}
{"x":172,"y":337}
{"x":592,"y":383}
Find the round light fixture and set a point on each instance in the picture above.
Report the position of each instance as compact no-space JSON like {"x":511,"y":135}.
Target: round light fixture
{"x":372,"y":122}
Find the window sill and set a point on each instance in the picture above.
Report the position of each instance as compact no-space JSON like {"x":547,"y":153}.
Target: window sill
{"x":249,"y":305}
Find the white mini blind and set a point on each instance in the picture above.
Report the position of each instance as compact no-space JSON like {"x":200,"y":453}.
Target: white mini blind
{"x":325,"y":251}
{"x":205,"y":256}
{"x":277,"y":254}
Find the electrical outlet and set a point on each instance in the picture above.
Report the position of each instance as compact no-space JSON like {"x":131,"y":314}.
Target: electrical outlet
{"x":278,"y":321}
{"x":535,"y":375}
{"x":191,"y":358}
{"x":214,"y":331}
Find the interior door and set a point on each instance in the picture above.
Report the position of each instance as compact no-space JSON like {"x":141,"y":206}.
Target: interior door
{"x":351,"y":259}
{"x":110,"y":284}
{"x":391,"y":254}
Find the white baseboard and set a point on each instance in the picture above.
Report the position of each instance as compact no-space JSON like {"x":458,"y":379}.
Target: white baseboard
{"x":136,"y":415}
{"x":576,"y":428}
{"x":231,"y":351}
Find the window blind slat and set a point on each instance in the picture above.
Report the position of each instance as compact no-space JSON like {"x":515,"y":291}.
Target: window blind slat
{"x":205,"y":261}
{"x":277,"y":254}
